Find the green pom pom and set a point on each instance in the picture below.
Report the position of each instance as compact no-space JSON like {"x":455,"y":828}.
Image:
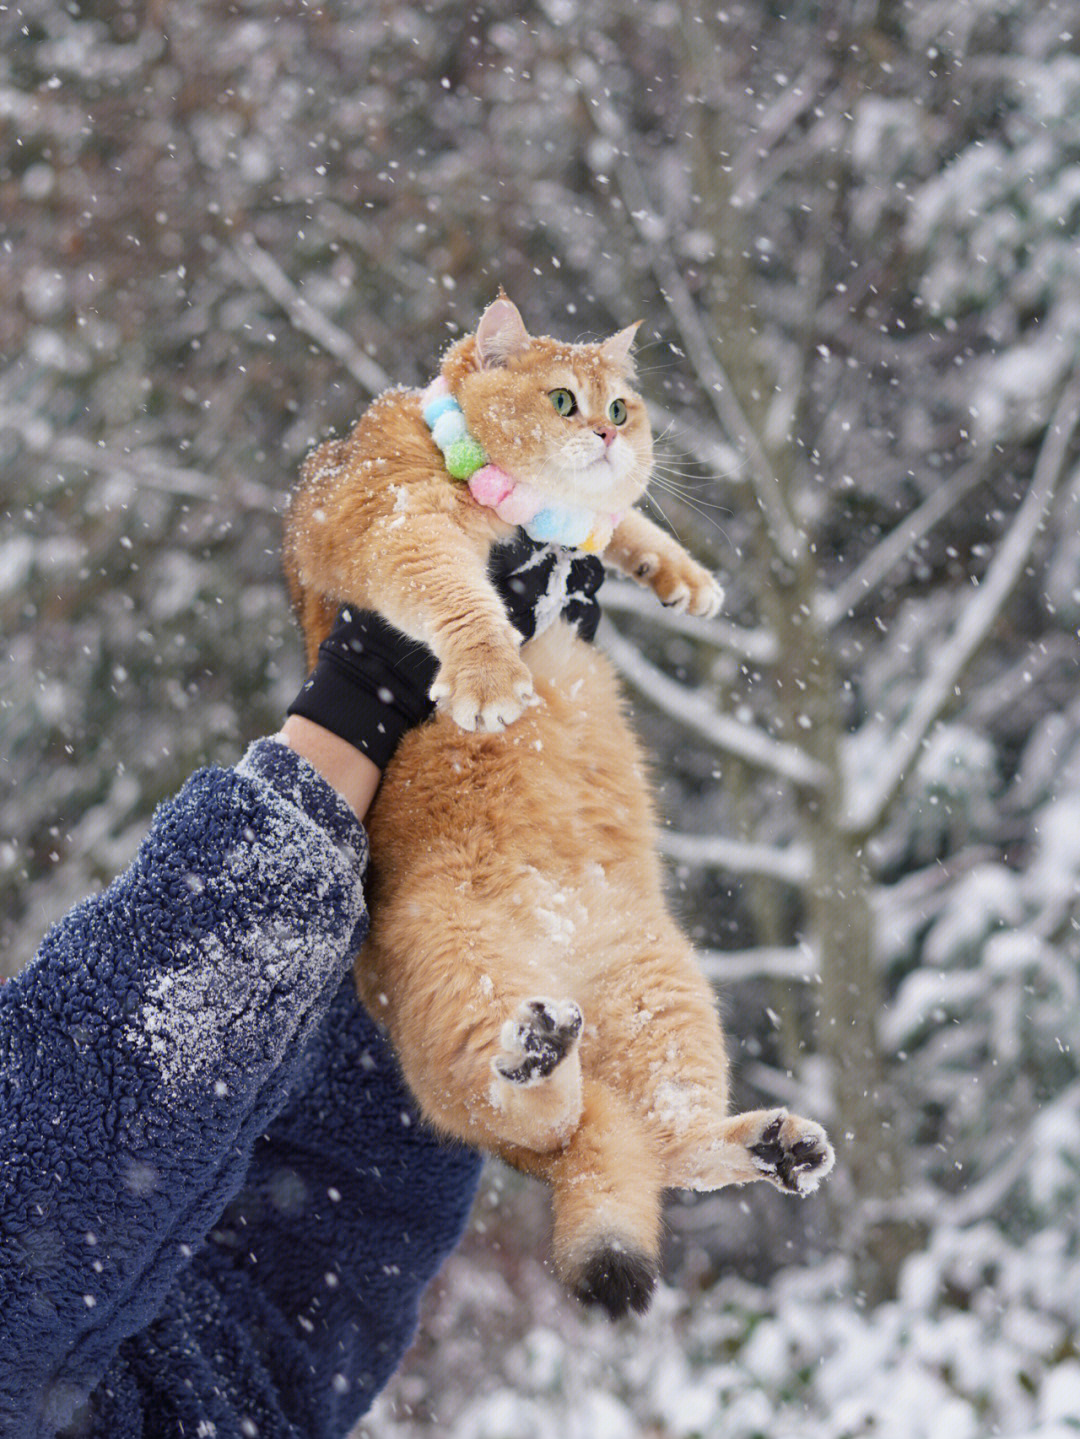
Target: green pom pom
{"x":464,"y":457}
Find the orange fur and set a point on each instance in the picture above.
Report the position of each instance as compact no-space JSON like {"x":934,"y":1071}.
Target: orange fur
{"x":519,"y":863}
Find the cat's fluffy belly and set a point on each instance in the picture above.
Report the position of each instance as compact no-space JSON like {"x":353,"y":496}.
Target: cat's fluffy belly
{"x":549,"y":822}
{"x":536,"y":874}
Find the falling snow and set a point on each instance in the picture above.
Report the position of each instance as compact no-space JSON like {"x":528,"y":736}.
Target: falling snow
{"x":854,"y":250}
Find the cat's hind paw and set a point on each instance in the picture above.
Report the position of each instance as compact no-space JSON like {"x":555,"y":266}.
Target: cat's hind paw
{"x":540,"y":1037}
{"x":792,"y":1153}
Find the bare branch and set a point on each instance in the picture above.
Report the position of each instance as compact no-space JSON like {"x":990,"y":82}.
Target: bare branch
{"x":1012,"y":686}
{"x":693,"y":709}
{"x":146,"y":468}
{"x":878,"y":564}
{"x":369,"y":375}
{"x":748,"y":173}
{"x":866,"y":808}
{"x":984,"y":1199}
{"x":785,"y":535}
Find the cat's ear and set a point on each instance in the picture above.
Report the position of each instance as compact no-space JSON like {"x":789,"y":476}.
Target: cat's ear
{"x":501,"y":334}
{"x":617,"y":350}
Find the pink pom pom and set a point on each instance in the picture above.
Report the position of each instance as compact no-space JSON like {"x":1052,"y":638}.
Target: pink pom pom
{"x":520,"y":505}
{"x":435,"y":390}
{"x":490,"y":486}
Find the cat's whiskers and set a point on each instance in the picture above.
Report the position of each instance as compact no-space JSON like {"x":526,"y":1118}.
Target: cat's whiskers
{"x":680,"y":484}
{"x":679,"y":493}
{"x":688,"y":461}
{"x":652,"y":500}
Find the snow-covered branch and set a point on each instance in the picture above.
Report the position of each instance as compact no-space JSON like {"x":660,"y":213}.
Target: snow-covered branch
{"x":792,"y":865}
{"x":1011,"y":687}
{"x":693,"y":709}
{"x":145,"y":468}
{"x":865,"y":808}
{"x":623,"y":597}
{"x":738,"y":966}
{"x":369,"y":375}
{"x":978,"y":1201}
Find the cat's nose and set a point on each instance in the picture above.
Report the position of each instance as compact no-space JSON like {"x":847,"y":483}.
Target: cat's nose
{"x":606,"y":432}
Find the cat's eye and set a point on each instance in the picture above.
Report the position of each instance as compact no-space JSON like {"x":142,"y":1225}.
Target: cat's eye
{"x":564,"y":401}
{"x":617,"y":412}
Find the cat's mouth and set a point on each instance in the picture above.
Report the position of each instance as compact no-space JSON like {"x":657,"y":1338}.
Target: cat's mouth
{"x":606,"y":468}
{"x":602,"y":465}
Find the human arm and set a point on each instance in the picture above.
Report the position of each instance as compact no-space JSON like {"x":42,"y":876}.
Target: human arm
{"x":152,"y":1041}
{"x":178,"y":1044}
{"x":145,"y":1050}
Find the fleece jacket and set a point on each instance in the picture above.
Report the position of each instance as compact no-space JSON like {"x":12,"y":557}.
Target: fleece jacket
{"x":218,"y":1203}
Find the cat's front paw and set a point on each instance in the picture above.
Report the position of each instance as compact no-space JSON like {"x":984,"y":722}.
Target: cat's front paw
{"x":679,"y":583}
{"x":486,"y":688}
{"x":792,"y":1153}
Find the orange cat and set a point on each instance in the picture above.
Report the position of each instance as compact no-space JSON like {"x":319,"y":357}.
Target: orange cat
{"x":542,"y":1002}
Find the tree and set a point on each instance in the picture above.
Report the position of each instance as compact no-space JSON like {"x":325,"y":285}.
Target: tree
{"x":850,"y":231}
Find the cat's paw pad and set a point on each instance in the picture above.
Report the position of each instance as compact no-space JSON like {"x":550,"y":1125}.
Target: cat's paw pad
{"x":792,"y":1153}
{"x":486,"y":690}
{"x":679,"y":583}
{"x":689,"y":588}
{"x":540,"y":1037}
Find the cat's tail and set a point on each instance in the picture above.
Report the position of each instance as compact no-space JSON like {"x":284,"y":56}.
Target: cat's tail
{"x":606,"y":1188}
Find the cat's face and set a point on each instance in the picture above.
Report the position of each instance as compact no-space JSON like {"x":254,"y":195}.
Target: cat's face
{"x":563,"y":418}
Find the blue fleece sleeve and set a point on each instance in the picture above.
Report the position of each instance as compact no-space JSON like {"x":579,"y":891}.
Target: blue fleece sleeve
{"x":152,"y":1041}
{"x":299,"y":1308}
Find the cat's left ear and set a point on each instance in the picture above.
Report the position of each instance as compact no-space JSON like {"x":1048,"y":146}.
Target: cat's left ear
{"x":501,"y":334}
{"x":618,"y":350}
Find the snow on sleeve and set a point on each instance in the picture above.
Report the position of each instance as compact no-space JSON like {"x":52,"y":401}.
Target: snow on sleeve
{"x":234,"y":996}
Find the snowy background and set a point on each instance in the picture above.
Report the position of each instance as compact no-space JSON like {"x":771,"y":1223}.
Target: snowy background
{"x":851,"y":228}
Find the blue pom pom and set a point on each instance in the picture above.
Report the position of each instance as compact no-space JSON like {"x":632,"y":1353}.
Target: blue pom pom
{"x":545,"y":526}
{"x":556,"y":525}
{"x":440,"y":405}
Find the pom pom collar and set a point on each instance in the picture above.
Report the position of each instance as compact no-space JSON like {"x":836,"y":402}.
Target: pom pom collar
{"x":512,"y":500}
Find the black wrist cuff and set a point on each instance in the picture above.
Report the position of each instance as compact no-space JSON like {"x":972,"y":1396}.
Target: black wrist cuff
{"x":369,"y":685}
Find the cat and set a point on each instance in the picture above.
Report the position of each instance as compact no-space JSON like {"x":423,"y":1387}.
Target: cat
{"x":543,"y":1003}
